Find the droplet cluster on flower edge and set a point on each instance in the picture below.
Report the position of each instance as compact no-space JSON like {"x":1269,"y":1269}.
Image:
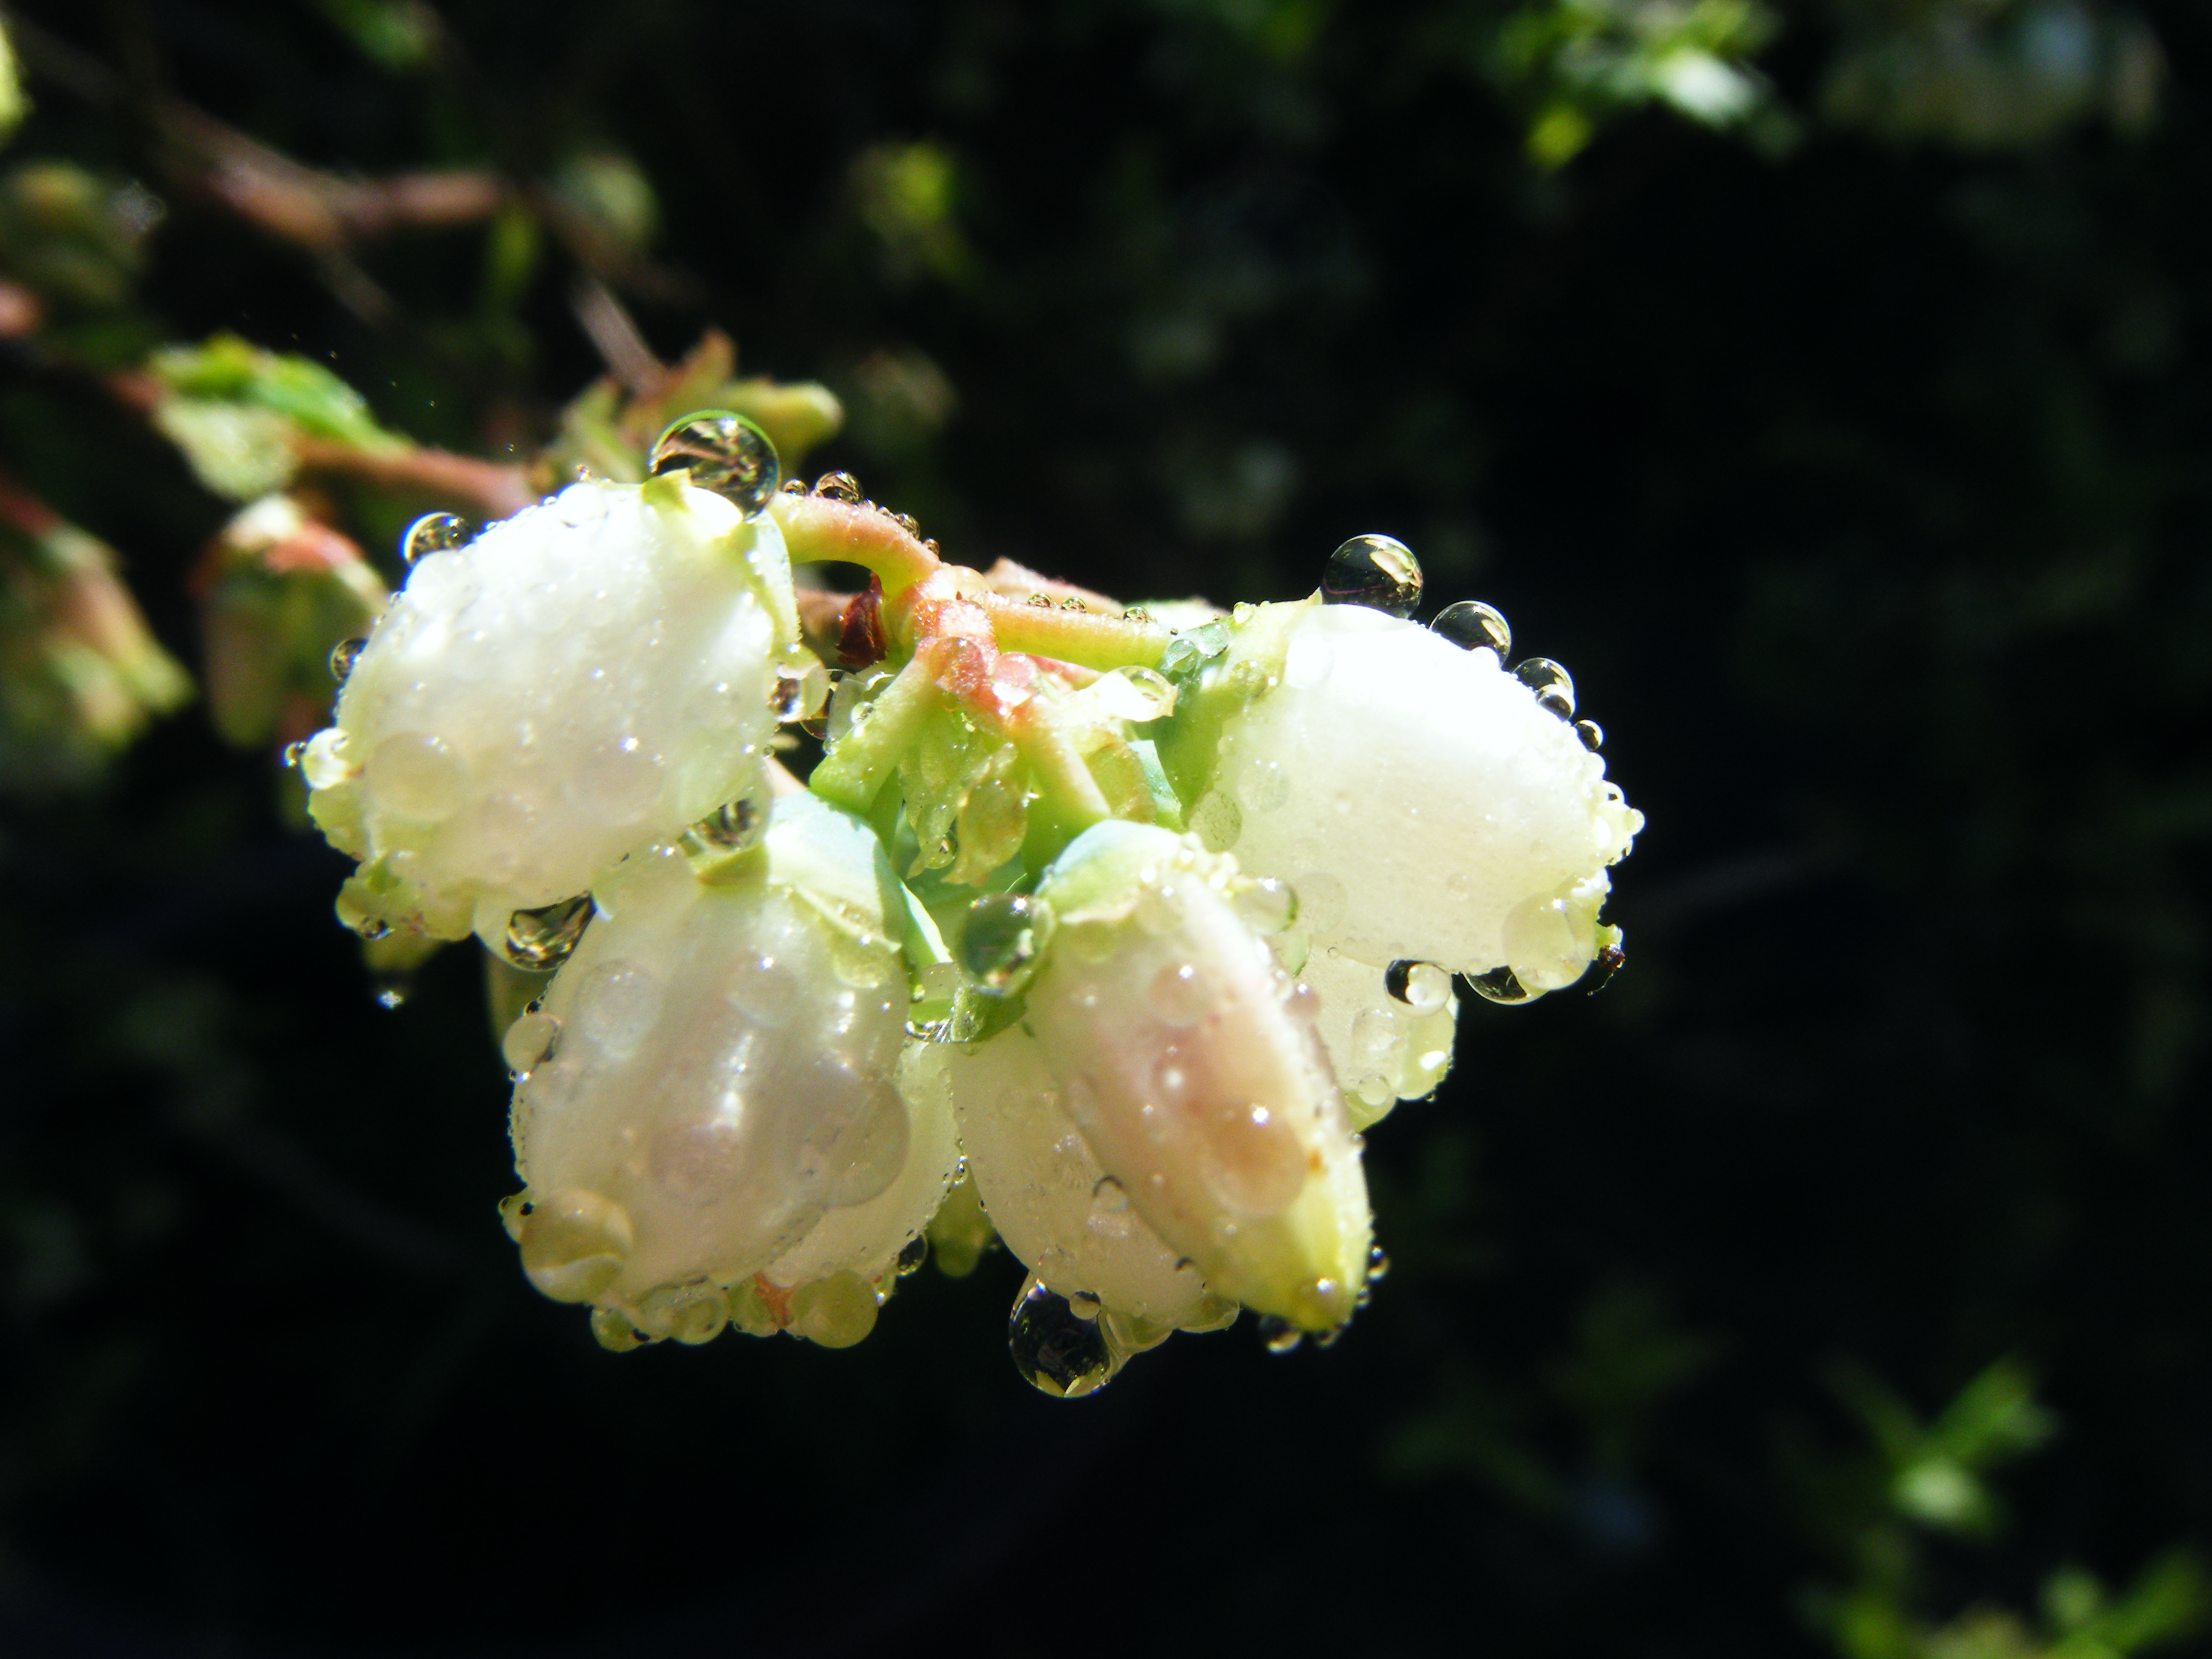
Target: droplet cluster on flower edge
{"x":1109,"y":930}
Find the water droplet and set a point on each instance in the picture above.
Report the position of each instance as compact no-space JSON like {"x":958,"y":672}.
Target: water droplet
{"x":731,"y":827}
{"x":1591,"y":734}
{"x":433,"y":532}
{"x":793,"y":487}
{"x":1056,"y":1351}
{"x":912,"y":1255}
{"x":691,"y":1314}
{"x":612,"y":1330}
{"x":1378,"y":1265}
{"x":1474,"y":626}
{"x":1267,"y":906}
{"x":530,"y":1043}
{"x":327,"y":759}
{"x":834,"y":1312}
{"x":800,"y":691}
{"x":292,"y":751}
{"x":391,"y":990}
{"x":1498,"y":985}
{"x":1379,"y":572}
{"x":1264,"y":786}
{"x":1421,"y":986}
{"x":722,"y":452}
{"x":574,"y":1243}
{"x":1217,"y":821}
{"x":1280,"y":1334}
{"x":343,"y":655}
{"x":839,"y":487}
{"x":543,"y":938}
{"x":1553,"y":689}
{"x":1109,"y":1195}
{"x":907,"y":522}
{"x":1001,"y":938}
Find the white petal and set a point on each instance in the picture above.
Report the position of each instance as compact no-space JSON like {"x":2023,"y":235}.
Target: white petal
{"x":588,"y":675}
{"x":1413,"y":793}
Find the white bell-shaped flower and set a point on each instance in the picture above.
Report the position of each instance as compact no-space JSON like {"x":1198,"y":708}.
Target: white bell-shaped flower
{"x":1425,"y":803}
{"x":712,"y":1074}
{"x":1072,"y":1224}
{"x":580,"y":679}
{"x":1189,"y":1063}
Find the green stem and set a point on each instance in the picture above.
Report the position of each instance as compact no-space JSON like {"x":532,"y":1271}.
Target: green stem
{"x":1068,"y":800}
{"x":1084,"y":637}
{"x":819,"y":529}
{"x":856,"y":764}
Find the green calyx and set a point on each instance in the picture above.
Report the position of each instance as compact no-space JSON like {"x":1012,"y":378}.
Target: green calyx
{"x":1217,"y":670}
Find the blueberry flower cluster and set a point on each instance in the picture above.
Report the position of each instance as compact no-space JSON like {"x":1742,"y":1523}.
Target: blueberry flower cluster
{"x":1080,"y":915}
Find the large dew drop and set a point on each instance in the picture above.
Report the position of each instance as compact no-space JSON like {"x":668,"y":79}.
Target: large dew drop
{"x":1474,"y":626}
{"x":1379,"y":572}
{"x":722,"y":452}
{"x":1056,"y":1350}
{"x":433,"y":532}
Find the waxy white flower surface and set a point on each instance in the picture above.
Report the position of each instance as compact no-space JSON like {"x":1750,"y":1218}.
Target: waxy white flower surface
{"x":708,"y":1090}
{"x":1053,"y":1204}
{"x":577,"y":681}
{"x":1418,"y":797}
{"x":759,"y":1067}
{"x":1189,"y":1063}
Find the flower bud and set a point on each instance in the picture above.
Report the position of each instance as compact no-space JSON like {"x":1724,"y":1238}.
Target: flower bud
{"x":586,"y":677}
{"x":1193,"y":1072}
{"x":278,"y":590}
{"x":1057,"y":1209}
{"x":711,"y":1073}
{"x":1426,"y":803}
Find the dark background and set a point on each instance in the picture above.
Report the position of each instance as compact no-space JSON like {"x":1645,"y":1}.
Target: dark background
{"x":1861,"y":481}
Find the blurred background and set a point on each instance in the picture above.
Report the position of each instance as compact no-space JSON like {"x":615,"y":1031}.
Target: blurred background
{"x":1828,"y":383}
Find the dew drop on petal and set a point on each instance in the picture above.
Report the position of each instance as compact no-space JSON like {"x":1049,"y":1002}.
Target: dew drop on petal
{"x":1498,"y":985}
{"x":1379,"y":572}
{"x":433,"y":532}
{"x":1056,"y":1351}
{"x":343,"y":655}
{"x":542,"y":938}
{"x":838,"y":487}
{"x":1265,"y":787}
{"x":835,"y":1312}
{"x":616,"y":1004}
{"x":1591,"y":734}
{"x":722,"y":452}
{"x":1474,"y":626}
{"x":730,"y":828}
{"x":1551,"y":683}
{"x":574,"y":1243}
{"x":1280,"y":1334}
{"x":1000,"y":938}
{"x":530,"y":1043}
{"x":1421,"y":986}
